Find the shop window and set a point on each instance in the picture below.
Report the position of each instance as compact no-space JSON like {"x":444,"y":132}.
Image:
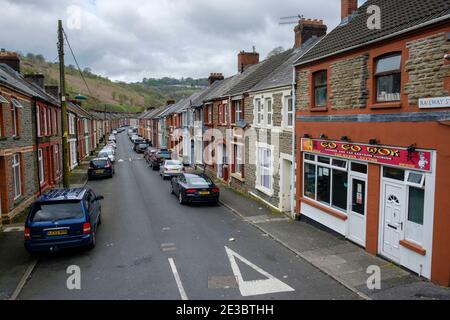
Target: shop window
{"x":340,"y":189}
{"x":326,"y":181}
{"x":310,"y":181}
{"x":17,"y":177}
{"x":320,"y":89}
{"x":394,"y":173}
{"x":388,"y":78}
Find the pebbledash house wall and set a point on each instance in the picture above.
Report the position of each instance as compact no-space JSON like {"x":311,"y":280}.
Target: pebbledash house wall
{"x":351,"y":90}
{"x":277,"y":136}
{"x":24,"y":144}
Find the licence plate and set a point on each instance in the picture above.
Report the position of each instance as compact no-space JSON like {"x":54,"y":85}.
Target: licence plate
{"x":54,"y":233}
{"x":99,"y":171}
{"x":204,"y":193}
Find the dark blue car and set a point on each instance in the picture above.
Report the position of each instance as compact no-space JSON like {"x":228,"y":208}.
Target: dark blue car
{"x":62,"y":219}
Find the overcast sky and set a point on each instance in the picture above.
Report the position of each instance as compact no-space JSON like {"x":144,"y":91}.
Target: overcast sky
{"x":128,"y":40}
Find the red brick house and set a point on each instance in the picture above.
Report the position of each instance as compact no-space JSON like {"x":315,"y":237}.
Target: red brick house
{"x":372,"y":133}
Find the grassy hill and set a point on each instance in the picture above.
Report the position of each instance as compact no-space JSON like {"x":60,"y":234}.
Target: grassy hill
{"x":116,"y":96}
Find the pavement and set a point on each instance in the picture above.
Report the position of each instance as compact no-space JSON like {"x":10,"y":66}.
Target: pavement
{"x":342,"y":260}
{"x":150,"y":247}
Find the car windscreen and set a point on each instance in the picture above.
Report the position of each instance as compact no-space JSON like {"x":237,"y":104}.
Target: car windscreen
{"x":143,"y":145}
{"x":99,"y":163}
{"x":57,"y":211}
{"x":199,"y":181}
{"x":173,"y":163}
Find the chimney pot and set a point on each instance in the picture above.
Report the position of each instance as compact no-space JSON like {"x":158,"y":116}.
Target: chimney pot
{"x":308,"y":28}
{"x":11,"y":59}
{"x":246,"y":59}
{"x":38,"y":79}
{"x":348,"y":7}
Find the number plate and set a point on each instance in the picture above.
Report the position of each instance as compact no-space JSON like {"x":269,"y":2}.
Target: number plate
{"x":204,"y":193}
{"x":54,"y":233}
{"x":99,"y":171}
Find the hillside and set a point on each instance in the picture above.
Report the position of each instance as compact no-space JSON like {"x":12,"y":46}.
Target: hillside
{"x":115,"y":96}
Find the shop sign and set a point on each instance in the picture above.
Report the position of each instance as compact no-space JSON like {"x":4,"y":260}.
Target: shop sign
{"x":431,"y":103}
{"x":399,"y":157}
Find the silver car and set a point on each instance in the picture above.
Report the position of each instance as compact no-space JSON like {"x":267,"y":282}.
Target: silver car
{"x":107,"y":153}
{"x":171,"y":168}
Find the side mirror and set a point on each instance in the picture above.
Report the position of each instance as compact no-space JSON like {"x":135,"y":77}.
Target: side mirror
{"x":100,"y":198}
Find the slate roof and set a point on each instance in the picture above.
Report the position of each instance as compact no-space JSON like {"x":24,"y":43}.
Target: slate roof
{"x":282,"y":76}
{"x":256,"y":73}
{"x":396,"y":17}
{"x":222,"y":88}
{"x":198,"y":101}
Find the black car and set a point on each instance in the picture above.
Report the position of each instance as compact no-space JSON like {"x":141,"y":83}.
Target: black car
{"x":195,"y":188}
{"x":159,"y":157}
{"x":100,"y":168}
{"x":141,"y":148}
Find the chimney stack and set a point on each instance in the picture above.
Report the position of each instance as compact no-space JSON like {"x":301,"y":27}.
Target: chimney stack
{"x":213,"y":77}
{"x":11,"y":59}
{"x":347,"y":8}
{"x":169,"y":102}
{"x":52,"y":90}
{"x":308,"y":28}
{"x":246,"y":59}
{"x":37,"y":79}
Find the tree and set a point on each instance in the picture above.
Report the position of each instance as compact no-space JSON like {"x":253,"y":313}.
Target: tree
{"x":275,"y":51}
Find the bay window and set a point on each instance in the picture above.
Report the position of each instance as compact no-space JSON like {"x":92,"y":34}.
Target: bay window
{"x":388,"y":78}
{"x":320,"y":89}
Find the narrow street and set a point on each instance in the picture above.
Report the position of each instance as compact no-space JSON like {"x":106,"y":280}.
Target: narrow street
{"x":144,"y":229}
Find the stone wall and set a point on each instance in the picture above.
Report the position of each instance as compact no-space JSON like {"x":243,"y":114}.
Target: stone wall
{"x":302,"y":98}
{"x":425,"y":67}
{"x":348,"y":83}
{"x":277,"y":108}
{"x":27,"y":127}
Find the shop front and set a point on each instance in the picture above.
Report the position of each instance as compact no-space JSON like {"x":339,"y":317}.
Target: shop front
{"x":379,"y":197}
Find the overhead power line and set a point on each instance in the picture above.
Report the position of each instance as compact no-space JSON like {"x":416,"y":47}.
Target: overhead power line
{"x":76,"y":62}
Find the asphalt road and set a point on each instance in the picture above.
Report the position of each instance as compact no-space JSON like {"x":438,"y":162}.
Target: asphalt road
{"x":144,"y":229}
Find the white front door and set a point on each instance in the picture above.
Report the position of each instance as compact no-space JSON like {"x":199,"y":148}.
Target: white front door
{"x":358,"y":210}
{"x":285,"y":194}
{"x":393,"y":216}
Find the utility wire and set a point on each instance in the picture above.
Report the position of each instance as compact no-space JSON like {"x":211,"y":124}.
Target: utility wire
{"x":76,"y":62}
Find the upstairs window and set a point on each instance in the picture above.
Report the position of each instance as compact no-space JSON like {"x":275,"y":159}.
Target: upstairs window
{"x":259,"y":112}
{"x":238,"y":111}
{"x":15,"y":106}
{"x":320,"y":89}
{"x":289,"y":112}
{"x":269,"y":111}
{"x":388,"y":78}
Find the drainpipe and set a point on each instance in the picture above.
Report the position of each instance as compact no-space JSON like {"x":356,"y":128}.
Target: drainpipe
{"x":294,"y":158}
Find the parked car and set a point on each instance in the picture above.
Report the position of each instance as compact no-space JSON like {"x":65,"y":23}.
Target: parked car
{"x":198,"y":188}
{"x":171,"y":168}
{"x":141,"y":147}
{"x":115,"y":132}
{"x":111,"y":144}
{"x":100,"y":168}
{"x":149,"y":153}
{"x":137,"y":142}
{"x":159,"y":157}
{"x":61,"y":219}
{"x":110,"y":147}
{"x":134,"y":137}
{"x":112,"y":138}
{"x":107,"y":153}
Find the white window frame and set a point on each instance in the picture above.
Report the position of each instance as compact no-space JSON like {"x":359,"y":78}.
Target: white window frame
{"x":259,"y":168}
{"x":238,"y":158}
{"x":237,"y":111}
{"x":44,"y":131}
{"x":86,"y":126}
{"x":269,"y":114}
{"x":331,"y":167}
{"x":17,"y":176}
{"x":288,"y":113}
{"x":259,"y":111}
{"x":71,"y":124}
{"x":41,"y":166}
{"x":14,"y":119}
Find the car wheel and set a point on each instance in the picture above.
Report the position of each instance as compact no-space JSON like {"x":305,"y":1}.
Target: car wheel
{"x":180,"y":198}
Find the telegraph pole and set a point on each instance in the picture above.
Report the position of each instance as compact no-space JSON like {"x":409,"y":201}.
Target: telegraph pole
{"x":64,"y":124}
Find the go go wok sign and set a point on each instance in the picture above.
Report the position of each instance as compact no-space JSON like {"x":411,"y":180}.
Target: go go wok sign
{"x":417,"y":160}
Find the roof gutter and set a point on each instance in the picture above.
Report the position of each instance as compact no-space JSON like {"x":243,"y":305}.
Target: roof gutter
{"x":428,"y":23}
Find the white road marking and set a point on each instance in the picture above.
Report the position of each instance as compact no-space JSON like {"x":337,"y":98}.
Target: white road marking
{"x":164,"y":245}
{"x":120,"y":160}
{"x":255,"y":287}
{"x":14,"y":229}
{"x":178,"y":280}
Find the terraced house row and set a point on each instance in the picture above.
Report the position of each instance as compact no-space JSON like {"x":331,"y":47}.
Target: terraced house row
{"x":348,"y":128}
{"x":30,"y":136}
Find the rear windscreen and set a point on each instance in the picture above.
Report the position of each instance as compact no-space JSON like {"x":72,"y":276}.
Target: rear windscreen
{"x":57,"y":211}
{"x":199,"y":181}
{"x":99,"y":163}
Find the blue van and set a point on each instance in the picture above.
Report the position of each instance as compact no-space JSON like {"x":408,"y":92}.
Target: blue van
{"x":63,"y":218}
